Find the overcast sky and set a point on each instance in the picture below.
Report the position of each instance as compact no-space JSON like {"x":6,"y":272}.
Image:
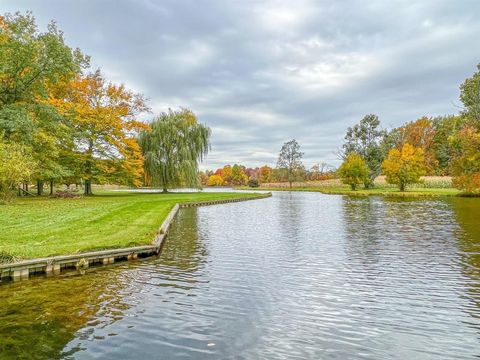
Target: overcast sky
{"x":260,"y":73}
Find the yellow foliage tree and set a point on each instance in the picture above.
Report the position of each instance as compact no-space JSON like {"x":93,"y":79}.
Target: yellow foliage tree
{"x":405,"y":166}
{"x":215,"y":180}
{"x":353,"y":171}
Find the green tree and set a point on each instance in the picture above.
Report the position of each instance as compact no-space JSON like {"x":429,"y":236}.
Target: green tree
{"x":470,"y":95}
{"x":466,"y":162}
{"x":404,"y":166}
{"x":365,"y":139}
{"x":173,"y":148}
{"x":353,"y":171}
{"x":16,"y":166}
{"x":290,"y":160}
{"x":466,"y":142}
{"x":32,"y":62}
{"x":238,"y":175}
{"x":446,"y":127}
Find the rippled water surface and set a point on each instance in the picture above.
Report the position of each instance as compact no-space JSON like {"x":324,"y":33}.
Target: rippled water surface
{"x":296,"y":276}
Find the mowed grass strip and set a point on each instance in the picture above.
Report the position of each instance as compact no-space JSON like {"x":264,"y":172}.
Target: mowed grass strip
{"x":39,"y":227}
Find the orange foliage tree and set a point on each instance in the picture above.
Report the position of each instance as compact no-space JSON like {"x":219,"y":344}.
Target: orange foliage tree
{"x":265,"y":174}
{"x":103,"y":118}
{"x":420,"y":134}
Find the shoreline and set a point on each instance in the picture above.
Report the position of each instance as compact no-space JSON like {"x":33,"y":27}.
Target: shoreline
{"x":54,"y":265}
{"x":415,"y":192}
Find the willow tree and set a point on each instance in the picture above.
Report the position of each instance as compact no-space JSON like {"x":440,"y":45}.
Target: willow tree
{"x":172,"y":149}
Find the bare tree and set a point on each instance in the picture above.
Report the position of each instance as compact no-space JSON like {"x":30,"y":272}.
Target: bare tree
{"x":290,"y":159}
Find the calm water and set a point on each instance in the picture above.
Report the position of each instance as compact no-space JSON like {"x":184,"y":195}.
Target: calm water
{"x":296,"y":276}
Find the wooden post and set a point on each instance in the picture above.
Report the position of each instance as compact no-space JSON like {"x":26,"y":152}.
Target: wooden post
{"x":108,"y":260}
{"x":20,"y":274}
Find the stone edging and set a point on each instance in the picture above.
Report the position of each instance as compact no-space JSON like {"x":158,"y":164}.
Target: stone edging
{"x":54,"y":265}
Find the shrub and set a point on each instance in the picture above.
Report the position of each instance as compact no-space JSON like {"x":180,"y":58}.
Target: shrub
{"x":353,"y":171}
{"x":253,"y":183}
{"x":67,"y":194}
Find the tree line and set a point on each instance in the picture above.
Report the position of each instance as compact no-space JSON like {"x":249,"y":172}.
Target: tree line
{"x":443,"y":145}
{"x":239,"y":175}
{"x":439,"y":146}
{"x":63,"y":122}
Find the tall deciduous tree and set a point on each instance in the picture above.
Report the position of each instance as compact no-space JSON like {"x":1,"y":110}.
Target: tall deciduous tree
{"x":466,"y":142}
{"x":290,"y":160}
{"x":173,"y":148}
{"x":365,"y":140}
{"x":445,"y":129}
{"x":31,"y":61}
{"x":470,"y":95}
{"x":466,"y":162}
{"x":103,"y":117}
{"x":238,"y":175}
{"x":420,"y":134}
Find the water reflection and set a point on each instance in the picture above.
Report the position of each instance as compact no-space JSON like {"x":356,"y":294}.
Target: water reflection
{"x":39,"y":318}
{"x":299,"y":275}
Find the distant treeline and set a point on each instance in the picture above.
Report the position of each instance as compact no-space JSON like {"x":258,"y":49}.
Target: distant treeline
{"x":238,"y":175}
{"x":441,"y":146}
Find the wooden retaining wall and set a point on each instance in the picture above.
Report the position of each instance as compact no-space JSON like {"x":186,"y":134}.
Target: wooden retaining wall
{"x":54,"y":265}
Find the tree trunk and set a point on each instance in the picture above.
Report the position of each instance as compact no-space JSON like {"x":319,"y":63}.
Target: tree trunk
{"x":88,"y":187}
{"x":39,"y":187}
{"x":88,"y":170}
{"x":165,"y":190}
{"x":402,"y":187}
{"x":51,"y":187}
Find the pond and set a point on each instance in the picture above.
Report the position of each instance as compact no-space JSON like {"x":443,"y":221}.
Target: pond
{"x":297,"y":276}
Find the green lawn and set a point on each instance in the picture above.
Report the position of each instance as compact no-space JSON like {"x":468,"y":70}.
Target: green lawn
{"x":38,"y":227}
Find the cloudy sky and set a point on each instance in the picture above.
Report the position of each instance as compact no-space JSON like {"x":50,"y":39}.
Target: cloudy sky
{"x":262,"y":72}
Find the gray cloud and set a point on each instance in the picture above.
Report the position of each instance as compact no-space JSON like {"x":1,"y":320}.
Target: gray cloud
{"x":263,"y":72}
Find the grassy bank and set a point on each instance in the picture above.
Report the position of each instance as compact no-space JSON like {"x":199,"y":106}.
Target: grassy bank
{"x":38,"y":227}
{"x":430,"y":186}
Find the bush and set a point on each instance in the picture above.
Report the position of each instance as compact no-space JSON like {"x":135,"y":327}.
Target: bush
{"x":66,"y":194}
{"x":253,"y":183}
